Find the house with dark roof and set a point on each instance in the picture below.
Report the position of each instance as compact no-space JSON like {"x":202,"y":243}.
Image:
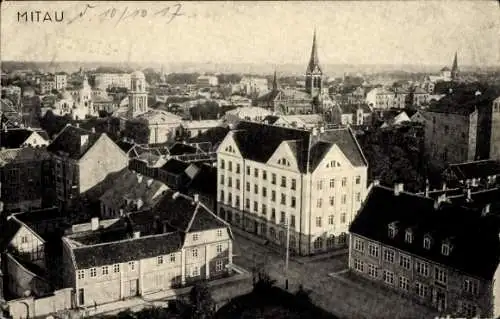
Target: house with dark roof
{"x":440,"y":251}
{"x":82,"y":159}
{"x":351,"y":114}
{"x":25,"y":177}
{"x":269,"y":176}
{"x":22,"y":137}
{"x":176,"y":243}
{"x":472,"y":174}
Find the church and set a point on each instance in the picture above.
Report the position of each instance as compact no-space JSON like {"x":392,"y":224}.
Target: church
{"x":162,"y":126}
{"x":77,"y":103}
{"x":312,"y":99}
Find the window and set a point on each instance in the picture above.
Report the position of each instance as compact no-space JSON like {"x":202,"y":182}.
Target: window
{"x":358,"y":265}
{"x":237,"y":184}
{"x":273,"y":179}
{"x":283,"y":181}
{"x":319,"y":202}
{"x":24,"y":239}
{"x":131,"y":265}
{"x":318,"y":221}
{"x":229,"y":182}
{"x":159,"y":260}
{"x":359,"y":245}
{"x":230,"y":166}
{"x":256,"y":172}
{"x":81,"y":274}
{"x":222,"y":164}
{"x":282,"y":218}
{"x":422,"y":268}
{"x":255,"y":206}
{"x":389,"y":255}
{"x":264,"y":192}
{"x":427,"y":242}
{"x":409,"y":236}
{"x":256,"y":189}
{"x":248,"y":170}
{"x":404,"y":261}
{"x":238,"y":168}
{"x":344,"y":199}
{"x":332,"y":183}
{"x":219,"y":232}
{"x":440,"y":275}
{"x":222,"y":179}
{"x":293,"y":202}
{"x":294,"y":184}
{"x":247,"y":203}
{"x":237,"y":201}
{"x":292,"y":221}
{"x":194,"y":253}
{"x":404,"y":283}
{"x":172,"y":258}
{"x":264,"y":209}
{"x":195,"y":271}
{"x":219,"y":249}
{"x":332,"y":200}
{"x":330,"y":220}
{"x":392,"y":230}
{"x":273,"y":215}
{"x":372,"y":270}
{"x":116,"y":267}
{"x":195,"y":237}
{"x":93,"y":272}
{"x":319,"y":185}
{"x":318,"y":243}
{"x":388,"y":277}
{"x":344,"y":181}
{"x":248,"y":186}
{"x":221,"y":195}
{"x":219,"y":265}
{"x":283,"y":199}
{"x":470,"y":286}
{"x":469,"y":310}
{"x":445,"y":249}
{"x":264,"y":175}
{"x":343,"y":217}
{"x":422,"y":290}
{"x":358,"y":180}
{"x":373,"y":250}
{"x":358,"y":196}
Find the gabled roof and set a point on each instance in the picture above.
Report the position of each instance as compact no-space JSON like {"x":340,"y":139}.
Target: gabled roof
{"x":14,"y":138}
{"x":465,"y":228}
{"x":181,"y":149}
{"x":175,"y":166}
{"x":73,"y":141}
{"x":249,"y":137}
{"x":475,"y":169}
{"x":205,"y":181}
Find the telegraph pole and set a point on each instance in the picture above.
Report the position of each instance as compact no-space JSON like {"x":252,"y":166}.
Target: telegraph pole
{"x":287,"y":251}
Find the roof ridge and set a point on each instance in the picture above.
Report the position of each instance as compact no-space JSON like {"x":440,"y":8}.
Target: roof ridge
{"x":121,"y":240}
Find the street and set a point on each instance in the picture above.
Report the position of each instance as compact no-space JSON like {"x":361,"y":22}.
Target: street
{"x":338,"y":294}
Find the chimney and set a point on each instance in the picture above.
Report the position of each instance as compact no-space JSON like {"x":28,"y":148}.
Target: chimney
{"x":176,"y":194}
{"x":469,"y":195}
{"x":322,"y":129}
{"x":314,"y":131}
{"x":441,"y":199}
{"x":486,"y":209}
{"x":196,"y":198}
{"x":93,"y":130}
{"x":150,"y":182}
{"x":137,"y":234}
{"x":139,"y":203}
{"x":94,"y":223}
{"x":139,"y":178}
{"x":376,"y":182}
{"x":444,"y":186}
{"x":398,"y":188}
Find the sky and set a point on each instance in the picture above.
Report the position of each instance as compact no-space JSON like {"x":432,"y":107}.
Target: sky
{"x":350,"y":32}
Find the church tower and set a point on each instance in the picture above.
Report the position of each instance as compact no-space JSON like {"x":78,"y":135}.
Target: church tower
{"x":454,"y":69}
{"x":314,"y":75}
{"x":137,"y":97}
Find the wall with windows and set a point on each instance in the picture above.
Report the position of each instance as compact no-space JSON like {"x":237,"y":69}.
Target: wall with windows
{"x":29,"y":246}
{"x":22,"y":282}
{"x":438,"y":286}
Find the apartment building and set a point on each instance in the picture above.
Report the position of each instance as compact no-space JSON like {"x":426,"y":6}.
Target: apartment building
{"x":82,"y":159}
{"x":61,"y":81}
{"x":270,"y":175}
{"x":430,"y":249}
{"x":178,"y":242}
{"x":109,"y":80}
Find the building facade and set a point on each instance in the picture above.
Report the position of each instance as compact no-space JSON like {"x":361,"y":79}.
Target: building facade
{"x":313,"y":180}
{"x":495,"y":130}
{"x":109,"y":80}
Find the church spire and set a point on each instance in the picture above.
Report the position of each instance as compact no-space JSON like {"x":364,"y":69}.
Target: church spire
{"x":313,"y":61}
{"x":275,"y":81}
{"x":454,"y":68}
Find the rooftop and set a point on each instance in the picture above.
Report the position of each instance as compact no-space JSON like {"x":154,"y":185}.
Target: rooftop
{"x":73,"y":142}
{"x":25,"y":154}
{"x":475,"y":169}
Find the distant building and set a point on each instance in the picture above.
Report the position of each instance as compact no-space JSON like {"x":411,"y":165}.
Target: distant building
{"x":304,"y":121}
{"x":397,"y":120}
{"x":195,"y":128}
{"x":313,"y":180}
{"x":23,"y":137}
{"x":82,"y":159}
{"x":109,"y":80}
{"x":351,"y":114}
{"x":252,"y":86}
{"x":61,"y":81}
{"x":390,"y":98}
{"x":429,"y":250}
{"x":251,"y":113}
{"x":495,"y":130}
{"x":47,"y":84}
{"x":207,"y":81}
{"x":179,"y":242}
{"x":476,"y":174}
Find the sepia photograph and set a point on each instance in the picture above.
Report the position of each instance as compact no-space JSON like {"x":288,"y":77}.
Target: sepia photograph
{"x":250,"y":159}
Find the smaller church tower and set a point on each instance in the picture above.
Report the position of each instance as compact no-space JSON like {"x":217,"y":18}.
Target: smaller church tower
{"x":454,"y":69}
{"x":138,"y":96}
{"x":495,"y":130}
{"x":314,"y":75}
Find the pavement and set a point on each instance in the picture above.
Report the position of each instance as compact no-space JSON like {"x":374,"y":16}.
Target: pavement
{"x":329,"y":283}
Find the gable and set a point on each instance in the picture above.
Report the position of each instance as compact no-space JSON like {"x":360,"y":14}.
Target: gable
{"x":35,"y":139}
{"x":228,"y":146}
{"x":104,"y":143}
{"x":25,"y":239}
{"x":284,"y":157}
{"x":334,"y":159}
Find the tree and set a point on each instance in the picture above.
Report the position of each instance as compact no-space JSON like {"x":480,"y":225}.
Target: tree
{"x":202,"y":305}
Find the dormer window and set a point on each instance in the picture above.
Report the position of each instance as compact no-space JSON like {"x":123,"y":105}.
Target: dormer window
{"x":393,"y":229}
{"x":427,"y":242}
{"x":446,"y":248}
{"x":409,"y":236}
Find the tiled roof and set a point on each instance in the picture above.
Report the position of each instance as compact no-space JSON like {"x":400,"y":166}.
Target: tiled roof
{"x":465,"y":228}
{"x":205,"y":182}
{"x":248,"y":136}
{"x":126,"y":250}
{"x":14,"y":138}
{"x":174,"y":166}
{"x":476,"y":169}
{"x":24,"y":154}
{"x":69,"y":141}
{"x":181,"y":149}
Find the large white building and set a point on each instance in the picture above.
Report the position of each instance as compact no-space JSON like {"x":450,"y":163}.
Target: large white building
{"x":268,"y":175}
{"x":207,"y":80}
{"x":108,"y":80}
